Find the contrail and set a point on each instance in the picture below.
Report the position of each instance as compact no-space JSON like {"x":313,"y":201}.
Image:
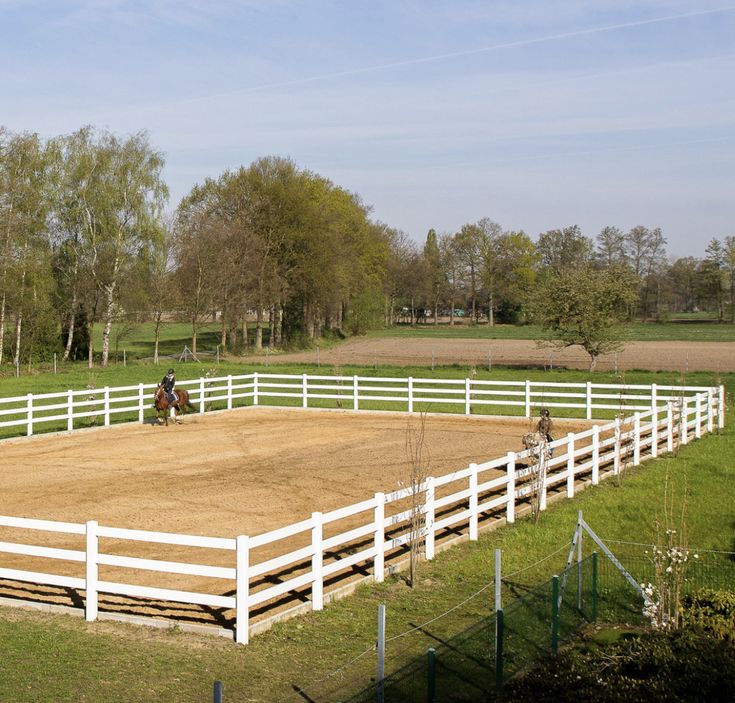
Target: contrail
{"x":472,"y":52}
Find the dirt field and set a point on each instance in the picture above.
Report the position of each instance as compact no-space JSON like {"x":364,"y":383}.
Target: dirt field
{"x":219,"y":475}
{"x":656,"y":356}
{"x":241,"y":472}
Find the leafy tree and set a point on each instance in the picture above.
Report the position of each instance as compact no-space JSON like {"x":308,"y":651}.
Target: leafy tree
{"x":564,"y":249}
{"x":610,"y":249}
{"x":517,"y":262}
{"x":584,"y":307}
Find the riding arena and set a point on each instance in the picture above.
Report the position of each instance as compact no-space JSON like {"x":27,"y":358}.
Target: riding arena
{"x":279,"y":492}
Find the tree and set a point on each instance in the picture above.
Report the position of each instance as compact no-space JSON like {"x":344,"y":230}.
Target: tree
{"x":584,"y":307}
{"x":436,"y":278}
{"x":516,"y":263}
{"x":564,"y":249}
{"x":25,"y":185}
{"x":610,"y":249}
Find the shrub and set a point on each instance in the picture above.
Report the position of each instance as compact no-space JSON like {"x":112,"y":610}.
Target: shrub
{"x":713,"y":611}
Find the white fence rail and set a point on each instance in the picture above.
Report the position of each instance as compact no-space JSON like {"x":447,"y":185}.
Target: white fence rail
{"x":309,"y":557}
{"x":69,"y":410}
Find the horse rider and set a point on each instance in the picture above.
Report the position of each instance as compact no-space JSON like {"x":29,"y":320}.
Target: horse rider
{"x":169,"y":382}
{"x":545,"y":425}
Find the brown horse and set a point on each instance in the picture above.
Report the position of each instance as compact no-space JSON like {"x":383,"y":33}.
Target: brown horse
{"x":160,"y":402}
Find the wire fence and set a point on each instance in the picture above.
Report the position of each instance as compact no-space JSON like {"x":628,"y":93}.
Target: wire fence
{"x":472,"y":664}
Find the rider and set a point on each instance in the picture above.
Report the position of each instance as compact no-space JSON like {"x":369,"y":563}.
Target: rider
{"x":545,"y":425}
{"x":168,"y":382}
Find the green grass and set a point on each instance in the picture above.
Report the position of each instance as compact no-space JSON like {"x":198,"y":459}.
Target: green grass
{"x":59,"y":658}
{"x":637,"y":332}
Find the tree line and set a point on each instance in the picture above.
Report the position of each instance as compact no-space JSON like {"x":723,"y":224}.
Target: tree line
{"x":280,"y":255}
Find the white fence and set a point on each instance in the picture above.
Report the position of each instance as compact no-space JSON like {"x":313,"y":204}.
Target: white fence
{"x":315,"y":556}
{"x":72,"y":409}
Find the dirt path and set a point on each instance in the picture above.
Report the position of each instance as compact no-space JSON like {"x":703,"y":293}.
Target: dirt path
{"x":418,"y":351}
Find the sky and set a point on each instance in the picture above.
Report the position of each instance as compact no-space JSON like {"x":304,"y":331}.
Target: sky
{"x":538,"y":114}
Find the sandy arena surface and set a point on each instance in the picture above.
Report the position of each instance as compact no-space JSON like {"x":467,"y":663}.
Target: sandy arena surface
{"x":417,"y":351}
{"x":239,"y":472}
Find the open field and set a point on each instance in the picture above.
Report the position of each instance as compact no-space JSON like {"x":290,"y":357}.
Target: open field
{"x":679,"y":356}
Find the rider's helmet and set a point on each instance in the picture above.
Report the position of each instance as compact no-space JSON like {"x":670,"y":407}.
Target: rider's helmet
{"x":170,"y":371}
{"x":544,"y":413}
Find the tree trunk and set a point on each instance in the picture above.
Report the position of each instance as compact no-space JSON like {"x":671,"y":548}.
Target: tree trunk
{"x":259,"y":328}
{"x":491,"y":312}
{"x":194,"y":335}
{"x":156,"y":335}
{"x":18,"y":327}
{"x":593,"y":362}
{"x":109,"y":310}
{"x":244,"y":334}
{"x":2,"y":326}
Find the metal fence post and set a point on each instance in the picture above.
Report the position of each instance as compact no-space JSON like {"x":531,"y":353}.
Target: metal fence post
{"x":217,"y":692}
{"x":380,"y":678}
{"x":594,"y":586}
{"x":431,"y":676}
{"x":499,"y":642}
{"x":555,"y":615}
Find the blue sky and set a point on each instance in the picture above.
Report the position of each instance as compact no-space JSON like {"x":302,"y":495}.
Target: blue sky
{"x":537,"y":114}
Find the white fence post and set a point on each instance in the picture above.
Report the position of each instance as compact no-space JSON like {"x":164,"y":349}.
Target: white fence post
{"x":684,"y":424}
{"x":669,"y":427}
{"x":229,"y":392}
{"x":616,"y":448}
{"x":473,"y":502}
{"x":141,"y":403}
{"x":528,"y":399}
{"x":698,"y":416}
{"x":410,"y":394}
{"x":242,"y":592}
{"x":710,"y":409}
{"x":595,"y":455}
{"x":654,"y":396}
{"x":510,"y":515}
{"x":201,"y":396}
{"x":91,"y":572}
{"x":305,"y":391}
{"x":467,"y":397}
{"x":721,"y":409}
{"x":107,"y":405}
{"x":379,"y":537}
{"x":429,"y":518}
{"x":636,"y":439}
{"x":570,"y":465}
{"x":654,"y":433}
{"x":355,"y":393}
{"x":29,"y":414}
{"x":589,"y":400}
{"x":70,"y":408}
{"x":255,"y":388}
{"x":317,"y":563}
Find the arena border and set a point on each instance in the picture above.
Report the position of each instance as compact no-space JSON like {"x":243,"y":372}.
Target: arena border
{"x":629,"y":443}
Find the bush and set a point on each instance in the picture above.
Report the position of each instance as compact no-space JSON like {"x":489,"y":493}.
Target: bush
{"x":712,"y":611}
{"x":684,"y":665}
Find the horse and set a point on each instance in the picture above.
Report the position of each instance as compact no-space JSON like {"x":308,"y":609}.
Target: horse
{"x":160,"y":402}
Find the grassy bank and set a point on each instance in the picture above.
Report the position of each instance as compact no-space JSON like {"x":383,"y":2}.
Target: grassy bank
{"x":59,"y":658}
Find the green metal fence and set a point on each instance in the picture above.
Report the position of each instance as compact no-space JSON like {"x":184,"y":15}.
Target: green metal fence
{"x":472,"y":665}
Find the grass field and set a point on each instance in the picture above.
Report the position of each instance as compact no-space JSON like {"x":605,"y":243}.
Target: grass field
{"x":60,"y":658}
